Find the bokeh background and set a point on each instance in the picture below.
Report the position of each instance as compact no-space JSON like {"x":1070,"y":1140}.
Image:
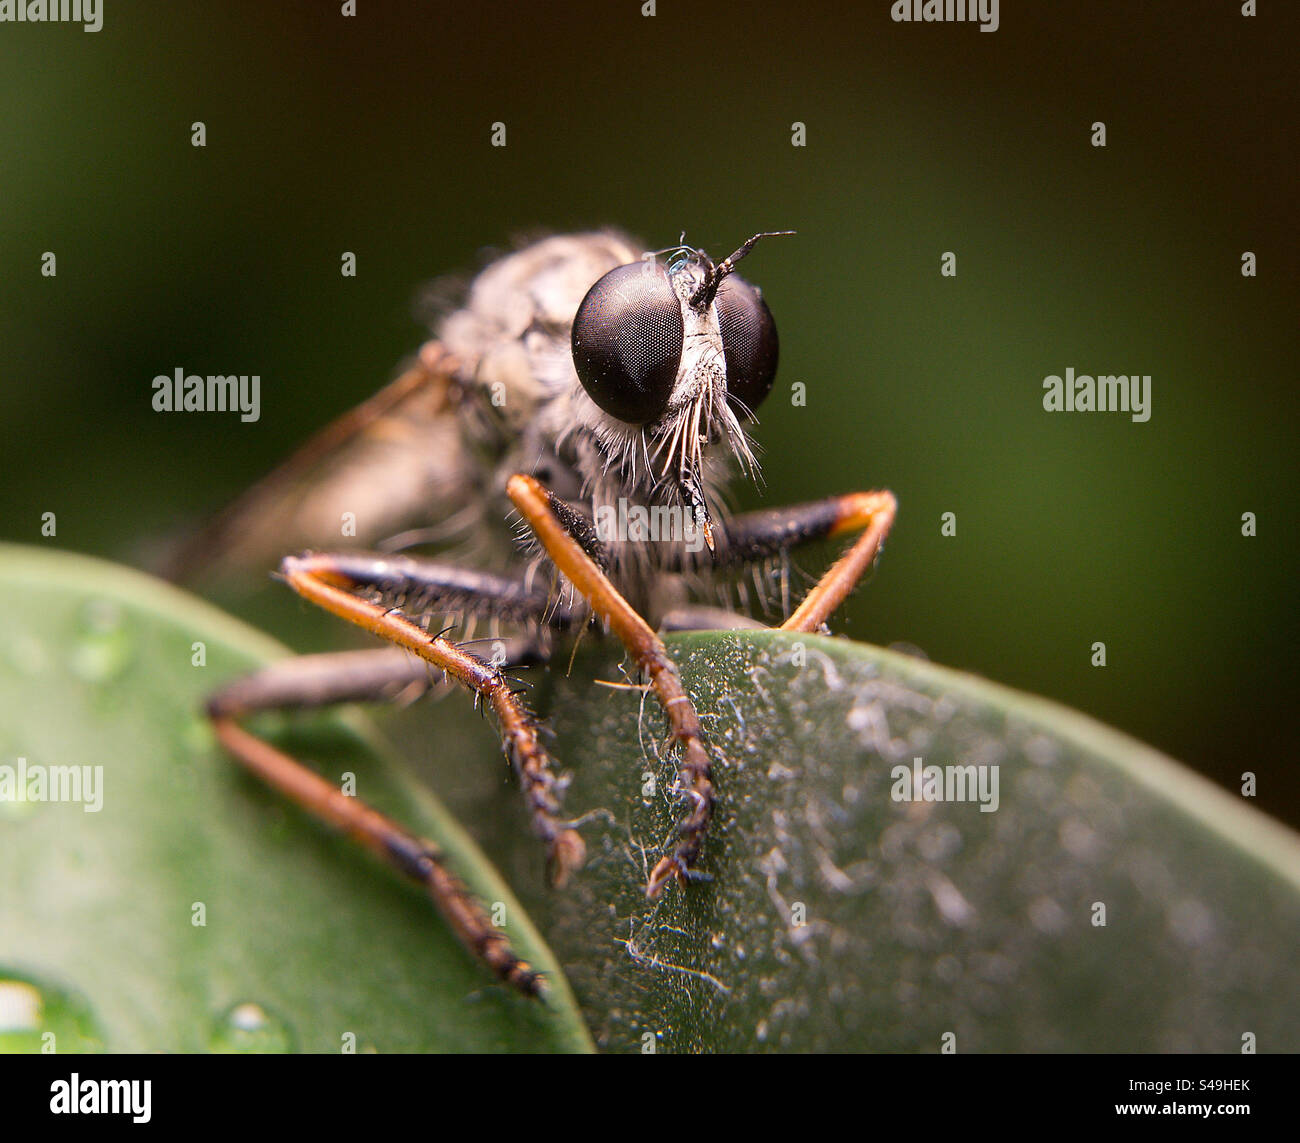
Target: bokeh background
{"x":371,"y":134}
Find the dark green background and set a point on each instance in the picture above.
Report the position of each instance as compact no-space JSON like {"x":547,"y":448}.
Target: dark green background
{"x":371,"y":134}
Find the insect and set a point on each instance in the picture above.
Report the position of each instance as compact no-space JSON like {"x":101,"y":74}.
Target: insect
{"x":602,"y":397}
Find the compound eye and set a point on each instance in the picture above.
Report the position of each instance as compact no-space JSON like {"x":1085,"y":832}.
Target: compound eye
{"x":627,"y":342}
{"x":749,"y":343}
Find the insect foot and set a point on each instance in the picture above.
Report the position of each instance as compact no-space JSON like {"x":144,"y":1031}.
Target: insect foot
{"x":694,"y":780}
{"x":567,"y":852}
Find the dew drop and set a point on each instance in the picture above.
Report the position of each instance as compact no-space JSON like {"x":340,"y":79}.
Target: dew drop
{"x":249,"y":1028}
{"x":38,"y":1017}
{"x":104,"y":649}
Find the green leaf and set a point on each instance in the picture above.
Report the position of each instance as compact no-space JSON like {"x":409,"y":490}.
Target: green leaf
{"x":915,"y":920}
{"x":918,"y":919}
{"x":306,"y":940}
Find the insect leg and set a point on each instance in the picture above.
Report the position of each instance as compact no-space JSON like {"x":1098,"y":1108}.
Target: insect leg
{"x":319,"y":680}
{"x":756,"y":535}
{"x":330,"y":581}
{"x":545,"y":514}
{"x":353,"y":676}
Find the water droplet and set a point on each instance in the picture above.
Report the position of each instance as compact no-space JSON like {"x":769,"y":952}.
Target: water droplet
{"x":104,"y":649}
{"x":37,"y":1017}
{"x":249,"y":1028}
{"x":20,"y":1006}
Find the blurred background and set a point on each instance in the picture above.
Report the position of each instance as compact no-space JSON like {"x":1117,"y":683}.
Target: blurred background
{"x":370,"y":134}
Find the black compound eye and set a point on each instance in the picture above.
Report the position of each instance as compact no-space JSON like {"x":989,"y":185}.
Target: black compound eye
{"x":627,"y":342}
{"x":749,"y":343}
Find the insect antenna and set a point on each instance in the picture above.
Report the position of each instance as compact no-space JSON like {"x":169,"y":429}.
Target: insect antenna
{"x":719,"y":270}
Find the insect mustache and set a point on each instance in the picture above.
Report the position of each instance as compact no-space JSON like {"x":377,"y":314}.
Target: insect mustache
{"x":708,"y":418}
{"x":684,"y":442}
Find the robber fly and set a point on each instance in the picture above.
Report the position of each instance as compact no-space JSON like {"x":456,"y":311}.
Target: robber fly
{"x":599,"y":397}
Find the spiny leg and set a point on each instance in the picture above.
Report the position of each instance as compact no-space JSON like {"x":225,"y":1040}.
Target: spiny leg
{"x":419,"y":586}
{"x":307,"y":682}
{"x":319,"y":680}
{"x":330,"y":580}
{"x":419,"y":860}
{"x":754,"y":536}
{"x":358,"y":676}
{"x":874,"y":513}
{"x":546,"y":515}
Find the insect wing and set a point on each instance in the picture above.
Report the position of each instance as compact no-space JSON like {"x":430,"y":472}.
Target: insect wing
{"x":392,"y":463}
